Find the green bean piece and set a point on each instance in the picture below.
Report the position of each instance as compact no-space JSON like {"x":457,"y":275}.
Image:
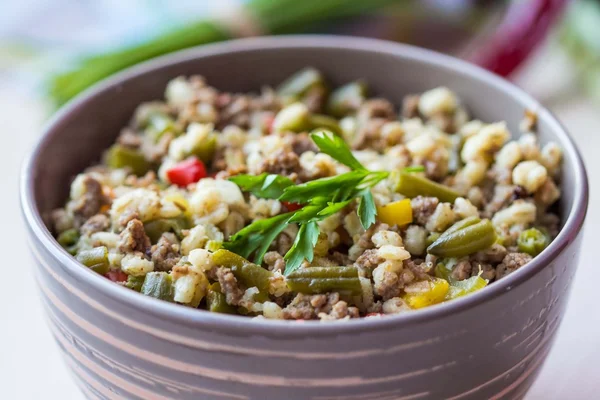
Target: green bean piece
{"x":249,"y":274}
{"x":346,"y":98}
{"x":432,"y":237}
{"x":532,"y":241}
{"x":158,"y":285}
{"x":465,"y":241}
{"x":412,"y":185}
{"x":158,"y":125}
{"x":460,"y":288}
{"x":95,"y":259}
{"x":298,"y":84}
{"x":155,"y":228}
{"x":122,"y":157}
{"x":320,"y":121}
{"x":206,"y":149}
{"x":316,"y":280}
{"x":135,"y":282}
{"x":216,"y":300}
{"x":68,"y":240}
{"x":463,"y":223}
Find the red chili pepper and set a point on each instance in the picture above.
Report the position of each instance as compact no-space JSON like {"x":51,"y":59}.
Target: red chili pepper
{"x":116,"y":276}
{"x":186,"y":172}
{"x":292,"y":206}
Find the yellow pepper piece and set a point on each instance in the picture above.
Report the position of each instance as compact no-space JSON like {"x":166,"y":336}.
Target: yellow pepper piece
{"x":438,"y":288}
{"x":180,"y":201}
{"x":396,"y":213}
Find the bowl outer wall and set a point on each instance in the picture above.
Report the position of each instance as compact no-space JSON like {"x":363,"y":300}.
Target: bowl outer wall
{"x":402,"y":353}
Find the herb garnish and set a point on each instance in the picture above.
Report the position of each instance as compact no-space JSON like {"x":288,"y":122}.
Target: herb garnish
{"x":320,"y":198}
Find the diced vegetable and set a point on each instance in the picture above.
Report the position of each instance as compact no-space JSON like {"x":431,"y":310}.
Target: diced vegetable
{"x":135,"y":282}
{"x":158,"y":125}
{"x":438,"y":288}
{"x":396,"y":213}
{"x":155,"y":228}
{"x":68,"y":240}
{"x":116,"y":275}
{"x":294,"y":118}
{"x":292,"y":206}
{"x":186,"y":172}
{"x":95,"y":259}
{"x":412,"y":185}
{"x":205,"y":150}
{"x":532,"y":241}
{"x":346,"y":98}
{"x":464,"y":287}
{"x":158,"y":285}
{"x":433,"y":236}
{"x":122,"y":157}
{"x":298,"y":84}
{"x":464,"y":241}
{"x":215,"y":300}
{"x":249,"y":274}
{"x":325,"y":279}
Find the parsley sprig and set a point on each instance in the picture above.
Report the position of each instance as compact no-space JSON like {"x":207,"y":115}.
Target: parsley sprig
{"x":320,"y":198}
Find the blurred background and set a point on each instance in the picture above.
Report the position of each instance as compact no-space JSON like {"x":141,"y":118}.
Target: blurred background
{"x":50,"y":50}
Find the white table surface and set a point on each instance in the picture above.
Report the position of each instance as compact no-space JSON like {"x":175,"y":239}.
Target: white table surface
{"x":31,"y":367}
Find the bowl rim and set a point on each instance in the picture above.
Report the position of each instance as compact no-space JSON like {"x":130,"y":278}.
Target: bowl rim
{"x":200,"y":318}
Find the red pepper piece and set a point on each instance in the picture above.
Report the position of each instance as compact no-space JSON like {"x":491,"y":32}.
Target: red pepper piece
{"x":186,"y":172}
{"x":116,"y":276}
{"x":292,"y":206}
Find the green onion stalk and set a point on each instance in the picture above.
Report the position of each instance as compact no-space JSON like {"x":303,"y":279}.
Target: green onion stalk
{"x":273,"y":17}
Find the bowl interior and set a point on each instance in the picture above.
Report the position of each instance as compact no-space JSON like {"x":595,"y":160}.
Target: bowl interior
{"x":77,"y":136}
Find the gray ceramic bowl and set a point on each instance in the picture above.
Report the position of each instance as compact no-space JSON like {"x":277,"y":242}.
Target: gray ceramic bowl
{"x":120,"y":344}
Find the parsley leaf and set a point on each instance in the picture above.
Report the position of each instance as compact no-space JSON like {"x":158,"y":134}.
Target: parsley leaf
{"x":324,"y":187}
{"x":303,"y":247}
{"x":334,"y":146}
{"x":332,"y":208}
{"x":257,"y":237}
{"x":367,"y":211}
{"x":266,"y":186}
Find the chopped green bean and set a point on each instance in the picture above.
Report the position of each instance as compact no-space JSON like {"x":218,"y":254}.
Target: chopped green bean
{"x":465,"y":241}
{"x":68,"y":240}
{"x":298,"y":84}
{"x":249,"y":274}
{"x":463,"y":223}
{"x":122,"y":157}
{"x":135,"y":282}
{"x":158,"y":285}
{"x":464,"y":287}
{"x":158,"y":124}
{"x":347,"y":98}
{"x":155,"y":228}
{"x":412,"y":185}
{"x":432,"y":237}
{"x":325,"y":279}
{"x":216,"y":300}
{"x":205,"y":150}
{"x":95,"y":259}
{"x":532,"y":241}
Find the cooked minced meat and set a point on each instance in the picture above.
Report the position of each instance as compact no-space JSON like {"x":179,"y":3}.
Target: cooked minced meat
{"x":305,"y":203}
